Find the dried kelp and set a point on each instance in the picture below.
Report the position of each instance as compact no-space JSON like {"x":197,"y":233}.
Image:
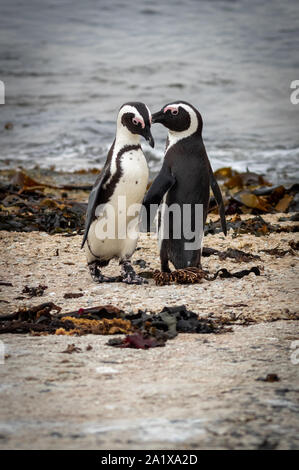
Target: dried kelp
{"x":32,"y":313}
{"x":225,"y":274}
{"x":31,"y":319}
{"x":197,"y":275}
{"x":144,"y":330}
{"x":84,"y":326}
{"x":141,"y":263}
{"x":269,"y":378}
{"x":255,"y":226}
{"x":278,"y":252}
{"x":34,"y":291}
{"x":40,"y":319}
{"x":232,"y":178}
{"x":25,"y":182}
{"x":248,"y":192}
{"x":173,"y":320}
{"x":95,"y":313}
{"x":71,"y":348}
{"x":27,"y":204}
{"x":294,"y":245}
{"x":179,"y":276}
{"x":29,"y":209}
{"x":73,"y":295}
{"x":154,"y":330}
{"x":136,"y":341}
{"x":237,"y":255}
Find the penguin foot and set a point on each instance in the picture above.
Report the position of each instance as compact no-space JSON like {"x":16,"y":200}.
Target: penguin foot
{"x":98,"y":277}
{"x":133,"y":278}
{"x":129,"y":276}
{"x":165,"y":269}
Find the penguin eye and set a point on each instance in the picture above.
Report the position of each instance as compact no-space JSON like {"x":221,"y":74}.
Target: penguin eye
{"x":135,"y":121}
{"x":174,"y":112}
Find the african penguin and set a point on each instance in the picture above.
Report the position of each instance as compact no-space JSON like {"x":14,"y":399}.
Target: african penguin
{"x":121,"y":184}
{"x":184,"y":179}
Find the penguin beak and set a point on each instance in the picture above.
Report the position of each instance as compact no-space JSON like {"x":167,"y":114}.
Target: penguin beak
{"x":158,"y":117}
{"x":148,"y":136}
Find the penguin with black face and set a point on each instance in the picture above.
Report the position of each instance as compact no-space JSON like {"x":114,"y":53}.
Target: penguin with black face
{"x":183,"y":183}
{"x":112,"y":219}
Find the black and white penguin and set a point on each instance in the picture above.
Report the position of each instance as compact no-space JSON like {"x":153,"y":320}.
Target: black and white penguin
{"x":184,"y":179}
{"x":121,"y":185}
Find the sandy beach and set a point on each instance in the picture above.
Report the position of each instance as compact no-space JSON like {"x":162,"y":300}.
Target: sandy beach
{"x":199,"y":391}
{"x":57,"y":262}
{"x":194,"y":359}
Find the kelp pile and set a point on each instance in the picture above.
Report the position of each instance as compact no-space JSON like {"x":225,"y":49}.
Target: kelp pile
{"x":250,"y":193}
{"x":237,"y":255}
{"x":197,"y":275}
{"x":257,"y":226}
{"x":153,"y":330}
{"x":143,"y":329}
{"x":27,"y":204}
{"x":40,"y":319}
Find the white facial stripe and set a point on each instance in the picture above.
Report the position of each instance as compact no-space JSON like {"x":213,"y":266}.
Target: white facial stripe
{"x":149,"y":115}
{"x":173,"y":136}
{"x":130,"y":109}
{"x":123,"y":135}
{"x":185,"y":107}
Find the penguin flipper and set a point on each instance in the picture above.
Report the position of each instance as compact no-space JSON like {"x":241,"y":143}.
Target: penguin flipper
{"x":218,"y":197}
{"x":92,"y":201}
{"x":162,"y":183}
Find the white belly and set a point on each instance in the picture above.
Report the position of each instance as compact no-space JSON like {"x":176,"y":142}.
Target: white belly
{"x":134,"y":179}
{"x":115,"y":231}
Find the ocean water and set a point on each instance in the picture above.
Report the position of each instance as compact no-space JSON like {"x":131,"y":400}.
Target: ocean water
{"x":69,"y":65}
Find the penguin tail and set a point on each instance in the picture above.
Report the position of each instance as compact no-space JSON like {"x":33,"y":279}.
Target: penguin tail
{"x":218,"y":196}
{"x":84,"y":240}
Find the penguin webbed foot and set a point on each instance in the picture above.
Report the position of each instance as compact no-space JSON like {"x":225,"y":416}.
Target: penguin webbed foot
{"x":165,"y":269}
{"x":97,"y":276}
{"x":129,"y":276}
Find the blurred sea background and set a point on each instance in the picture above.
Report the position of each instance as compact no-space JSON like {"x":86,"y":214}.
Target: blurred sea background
{"x":69,"y":65}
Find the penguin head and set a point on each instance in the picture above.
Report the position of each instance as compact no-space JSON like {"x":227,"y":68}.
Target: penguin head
{"x":179,"y":116}
{"x":137,"y":119}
